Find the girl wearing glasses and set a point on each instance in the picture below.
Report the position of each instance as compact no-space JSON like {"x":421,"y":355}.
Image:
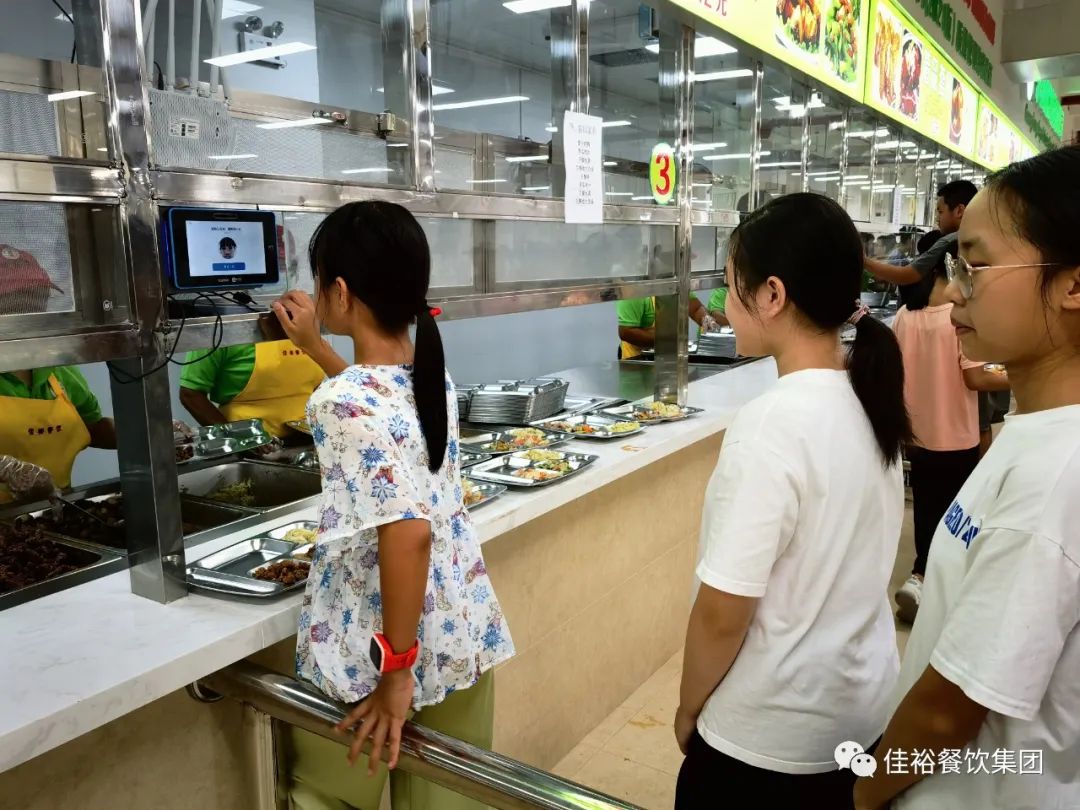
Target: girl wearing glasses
{"x":988,"y":691}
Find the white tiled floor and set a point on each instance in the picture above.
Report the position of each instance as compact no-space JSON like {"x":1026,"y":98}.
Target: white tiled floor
{"x":632,"y":753}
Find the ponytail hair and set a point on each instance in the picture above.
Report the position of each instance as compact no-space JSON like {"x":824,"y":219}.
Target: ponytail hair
{"x":381,"y":253}
{"x":810,"y":243}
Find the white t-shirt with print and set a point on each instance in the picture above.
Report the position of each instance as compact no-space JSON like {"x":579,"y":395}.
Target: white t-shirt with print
{"x":998,"y":618}
{"x":802,"y":514}
{"x":374,"y":465}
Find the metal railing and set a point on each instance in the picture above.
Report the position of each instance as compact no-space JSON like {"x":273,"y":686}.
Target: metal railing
{"x":498,"y":781}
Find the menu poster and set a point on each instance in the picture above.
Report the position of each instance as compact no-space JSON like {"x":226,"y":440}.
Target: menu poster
{"x":910,"y":80}
{"x":999,"y":142}
{"x":822,"y":38}
{"x":583,"y":152}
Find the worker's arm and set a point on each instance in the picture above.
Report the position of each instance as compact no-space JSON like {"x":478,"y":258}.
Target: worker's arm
{"x":979,"y":379}
{"x":720,"y":317}
{"x":935,"y":715}
{"x":697,"y":310}
{"x":103,"y":433}
{"x":891,"y":273}
{"x":198,"y":404}
{"x":641,"y":336}
{"x":718,"y":625}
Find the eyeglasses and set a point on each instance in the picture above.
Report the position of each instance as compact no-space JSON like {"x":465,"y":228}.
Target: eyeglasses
{"x":958,"y":269}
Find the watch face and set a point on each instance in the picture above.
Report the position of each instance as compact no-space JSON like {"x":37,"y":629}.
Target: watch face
{"x":376,"y":654}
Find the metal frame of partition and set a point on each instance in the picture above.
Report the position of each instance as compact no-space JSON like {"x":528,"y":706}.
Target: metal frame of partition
{"x":128,"y":188}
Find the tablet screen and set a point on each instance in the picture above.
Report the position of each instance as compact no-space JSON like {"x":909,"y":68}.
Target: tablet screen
{"x":217,"y":249}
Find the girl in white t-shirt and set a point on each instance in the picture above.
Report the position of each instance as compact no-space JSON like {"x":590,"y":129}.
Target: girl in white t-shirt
{"x":989,"y":691}
{"x":791,"y":648}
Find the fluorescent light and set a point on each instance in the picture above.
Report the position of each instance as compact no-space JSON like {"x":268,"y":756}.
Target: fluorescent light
{"x":550,"y":128}
{"x":525,"y":6}
{"x":837,"y":125}
{"x":479,"y":102}
{"x":64,"y":96}
{"x":536,"y":188}
{"x":611,"y":163}
{"x":640,"y":199}
{"x":620,"y":123}
{"x":701,"y":185}
{"x":299,"y":122}
{"x":372,"y":170}
{"x":526,"y":158}
{"x":257,"y":55}
{"x":477,"y":182}
{"x":823,"y":174}
{"x":103,"y":149}
{"x":705,"y":147}
{"x":703,"y":47}
{"x":857,"y":177}
{"x":735,"y":156}
{"x":237,"y":8}
{"x":869,"y":133}
{"x":436,"y":90}
{"x":619,"y":193}
{"x":61,"y":18}
{"x":715,"y":76}
{"x":233,"y":157}
{"x":782,"y":102}
{"x":778,"y":163}
{"x":397,"y":146}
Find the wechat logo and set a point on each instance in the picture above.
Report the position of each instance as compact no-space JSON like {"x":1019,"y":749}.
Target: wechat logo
{"x":852,"y":755}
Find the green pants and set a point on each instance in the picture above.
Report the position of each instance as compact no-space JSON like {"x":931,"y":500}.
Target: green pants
{"x":320,"y":777}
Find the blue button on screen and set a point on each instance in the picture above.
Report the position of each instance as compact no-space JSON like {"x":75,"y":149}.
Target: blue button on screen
{"x":228,"y":267}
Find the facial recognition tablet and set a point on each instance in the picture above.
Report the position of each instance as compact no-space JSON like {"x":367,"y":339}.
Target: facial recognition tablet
{"x":215,"y":249}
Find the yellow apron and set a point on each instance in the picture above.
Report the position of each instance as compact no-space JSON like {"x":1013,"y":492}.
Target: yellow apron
{"x":46,"y":432}
{"x":279,"y":387}
{"x":629,"y":350}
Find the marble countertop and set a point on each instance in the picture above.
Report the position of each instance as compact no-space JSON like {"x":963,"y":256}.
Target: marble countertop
{"x":80,"y":658}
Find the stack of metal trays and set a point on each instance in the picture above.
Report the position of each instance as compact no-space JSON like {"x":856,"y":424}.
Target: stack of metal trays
{"x":464,"y":395}
{"x":717,"y":344}
{"x":517,"y":403}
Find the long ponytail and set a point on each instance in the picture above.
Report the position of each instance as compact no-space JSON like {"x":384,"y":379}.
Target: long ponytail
{"x":810,"y":243}
{"x":876,"y":369}
{"x":429,"y":387}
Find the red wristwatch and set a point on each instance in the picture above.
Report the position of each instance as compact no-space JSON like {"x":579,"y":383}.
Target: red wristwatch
{"x":386,"y":660}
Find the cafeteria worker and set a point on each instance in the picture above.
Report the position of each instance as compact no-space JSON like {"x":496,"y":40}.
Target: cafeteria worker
{"x":270,"y":381}
{"x":637,"y":324}
{"x":47,"y":417}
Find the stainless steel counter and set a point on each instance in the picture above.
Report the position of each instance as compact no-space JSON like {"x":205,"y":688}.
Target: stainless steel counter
{"x":626,"y":379}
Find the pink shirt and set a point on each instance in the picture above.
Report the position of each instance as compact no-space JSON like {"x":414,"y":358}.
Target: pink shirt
{"x":944,"y":411}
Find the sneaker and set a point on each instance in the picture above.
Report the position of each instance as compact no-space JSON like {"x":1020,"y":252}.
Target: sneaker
{"x":908,"y":598}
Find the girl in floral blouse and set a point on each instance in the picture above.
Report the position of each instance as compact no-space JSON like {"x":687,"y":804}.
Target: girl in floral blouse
{"x":399,"y":612}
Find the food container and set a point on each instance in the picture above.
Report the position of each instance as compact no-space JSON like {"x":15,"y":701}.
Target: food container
{"x":56,"y":564}
{"x":217,"y":441}
{"x":485,"y":491}
{"x":643,"y":414}
{"x":232,"y":569}
{"x":281,"y":532}
{"x":510,"y":441}
{"x":467,"y":458}
{"x":593,"y":426}
{"x":512,"y":469}
{"x":253,"y":485}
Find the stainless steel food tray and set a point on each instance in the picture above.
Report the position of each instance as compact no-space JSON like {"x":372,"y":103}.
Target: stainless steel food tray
{"x":95,"y":563}
{"x":501,"y":470}
{"x":231,"y":570}
{"x":485,"y":442}
{"x":300,"y":425}
{"x":218,"y":441}
{"x":488,"y":490}
{"x":467,"y":458}
{"x":631,"y":412}
{"x":280,"y":532}
{"x":517,"y":402}
{"x":601,"y":424}
{"x":271,"y":484}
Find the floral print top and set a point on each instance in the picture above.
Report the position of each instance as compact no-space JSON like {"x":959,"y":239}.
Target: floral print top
{"x":374,"y":466}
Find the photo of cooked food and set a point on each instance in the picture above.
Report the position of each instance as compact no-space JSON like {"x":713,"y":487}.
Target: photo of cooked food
{"x":887,"y":35}
{"x":956,"y":117}
{"x":842,"y":38}
{"x":800,"y":24}
{"x":910,"y":76}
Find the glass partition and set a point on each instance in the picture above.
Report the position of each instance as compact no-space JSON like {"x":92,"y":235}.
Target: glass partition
{"x":861,"y":131}
{"x":907,"y":191}
{"x":51,"y":90}
{"x":884,"y":198}
{"x":784,"y":103}
{"x":828,"y":121}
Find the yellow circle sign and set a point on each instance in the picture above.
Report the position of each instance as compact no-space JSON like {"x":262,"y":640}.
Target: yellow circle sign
{"x":662,"y":173}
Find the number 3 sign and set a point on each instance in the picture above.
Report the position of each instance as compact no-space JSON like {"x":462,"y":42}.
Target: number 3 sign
{"x":662,"y":173}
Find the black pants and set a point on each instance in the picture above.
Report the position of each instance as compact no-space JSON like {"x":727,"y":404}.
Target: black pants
{"x":709,"y":779}
{"x":936,"y":477}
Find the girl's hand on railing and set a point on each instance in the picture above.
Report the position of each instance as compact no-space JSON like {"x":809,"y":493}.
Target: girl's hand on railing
{"x":380,"y":718}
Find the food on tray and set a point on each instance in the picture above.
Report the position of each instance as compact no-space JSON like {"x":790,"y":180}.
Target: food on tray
{"x":956,"y":119}
{"x":887,"y":57}
{"x":624,"y":427}
{"x":73,"y":523}
{"x":238,"y":494}
{"x":542,"y":455}
{"x":910,"y":76}
{"x":801,"y":21}
{"x":562,"y":427}
{"x":533,"y":474}
{"x":304,"y":555}
{"x":561,"y":466}
{"x":528,"y":437}
{"x":27,"y":557}
{"x":287,"y":572}
{"x":473,"y":493}
{"x":300,"y":535}
{"x":184,"y":452}
{"x":842,"y":38}
{"x":665,"y":410}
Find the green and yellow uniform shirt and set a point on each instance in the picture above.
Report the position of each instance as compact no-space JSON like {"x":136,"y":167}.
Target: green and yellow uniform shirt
{"x":70,"y":379}
{"x":718,"y":300}
{"x":637,"y":313}
{"x":222,"y":374}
